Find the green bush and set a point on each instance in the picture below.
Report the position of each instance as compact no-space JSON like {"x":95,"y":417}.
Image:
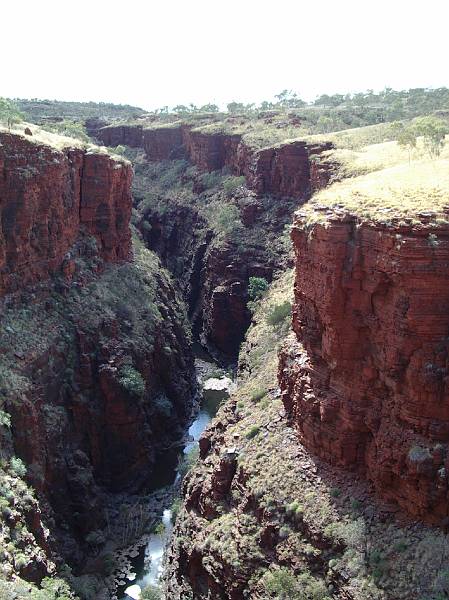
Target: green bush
{"x":252,"y":432}
{"x":187,"y":461}
{"x":17,"y":466}
{"x":225,"y":219}
{"x":175,"y":508}
{"x":279,"y":313}
{"x":131,"y":380}
{"x":257,"y":286}
{"x":231,"y":184}
{"x":158,"y":528}
{"x":20,"y":561}
{"x":5,"y":419}
{"x":258,"y":394}
{"x":151,"y":592}
{"x":282,"y":584}
{"x":211,"y":180}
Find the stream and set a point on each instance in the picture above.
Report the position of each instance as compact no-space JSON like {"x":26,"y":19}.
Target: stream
{"x":147,"y":555}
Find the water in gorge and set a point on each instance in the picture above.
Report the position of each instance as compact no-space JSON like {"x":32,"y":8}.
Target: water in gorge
{"x":146,"y":557}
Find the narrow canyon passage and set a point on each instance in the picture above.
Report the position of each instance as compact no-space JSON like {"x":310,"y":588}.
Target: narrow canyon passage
{"x":137,"y":572}
{"x":224,"y":363}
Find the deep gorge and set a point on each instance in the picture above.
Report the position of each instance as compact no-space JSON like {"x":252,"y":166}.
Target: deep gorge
{"x":111,"y":273}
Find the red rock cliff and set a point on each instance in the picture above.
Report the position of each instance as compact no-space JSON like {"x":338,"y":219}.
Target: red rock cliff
{"x":47,"y":197}
{"x":366,"y":379}
{"x":284,"y":170}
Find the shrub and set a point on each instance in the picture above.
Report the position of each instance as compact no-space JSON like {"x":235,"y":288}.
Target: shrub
{"x":231,"y":184}
{"x":211,"y":180}
{"x":131,"y":380}
{"x":282,"y":584}
{"x":252,"y":432}
{"x":257,"y":287}
{"x":279,"y":313}
{"x":225,"y":219}
{"x":187,"y":461}
{"x":158,"y":529}
{"x":258,"y":394}
{"x":163,"y":405}
{"x":175,"y":508}
{"x":17,"y":467}
{"x":20,"y":561}
{"x":151,"y":592}
{"x":418,"y":454}
{"x":355,"y":504}
{"x":5,"y":419}
{"x":432,"y":240}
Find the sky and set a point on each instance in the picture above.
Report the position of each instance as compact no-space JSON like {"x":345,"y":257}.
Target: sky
{"x":152,"y":53}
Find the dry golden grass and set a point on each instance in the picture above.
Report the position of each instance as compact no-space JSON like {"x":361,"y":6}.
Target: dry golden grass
{"x":379,"y":182}
{"x":56,"y":141}
{"x":402,"y":191}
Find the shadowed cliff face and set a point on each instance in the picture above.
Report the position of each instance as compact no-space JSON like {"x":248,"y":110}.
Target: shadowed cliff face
{"x":284,"y":170}
{"x":96,"y":367}
{"x":214,"y":269}
{"x":47,"y":198}
{"x":366,"y":384}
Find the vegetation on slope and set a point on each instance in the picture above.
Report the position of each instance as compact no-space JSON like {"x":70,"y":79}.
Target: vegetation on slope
{"x":291,"y":526}
{"x":389,"y":182}
{"x":288,"y":117}
{"x":38,"y":338}
{"x":38,"y":110}
{"x":220,"y":198}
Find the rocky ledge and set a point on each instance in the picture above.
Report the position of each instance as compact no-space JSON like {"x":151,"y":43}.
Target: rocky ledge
{"x":287,"y":169}
{"x":50,"y":194}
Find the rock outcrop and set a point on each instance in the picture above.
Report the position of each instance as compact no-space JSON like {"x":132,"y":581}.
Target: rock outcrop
{"x":96,"y":360}
{"x":213,"y":273}
{"x":282,"y":170}
{"x":48,"y":197}
{"x":366,"y":378}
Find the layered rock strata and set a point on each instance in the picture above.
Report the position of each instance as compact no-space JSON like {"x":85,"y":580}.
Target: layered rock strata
{"x":48,"y":197}
{"x":282,"y":170}
{"x":96,"y":365}
{"x":366,"y":379}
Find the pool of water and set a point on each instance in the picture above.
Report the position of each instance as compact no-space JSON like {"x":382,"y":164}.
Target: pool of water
{"x":148,"y":564}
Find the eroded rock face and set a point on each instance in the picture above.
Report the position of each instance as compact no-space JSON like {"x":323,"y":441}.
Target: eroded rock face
{"x":47,"y":198}
{"x":127,"y":135}
{"x":284,"y":170}
{"x":366,"y":378}
{"x":96,"y":368}
{"x":213,"y":275}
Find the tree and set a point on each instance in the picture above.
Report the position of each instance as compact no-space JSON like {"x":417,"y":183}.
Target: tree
{"x":9,"y":113}
{"x":181,"y":108}
{"x":209,"y":108}
{"x":406,"y":137}
{"x":289,"y":99}
{"x":434,"y":132}
{"x":266,"y":105}
{"x":234,"y":107}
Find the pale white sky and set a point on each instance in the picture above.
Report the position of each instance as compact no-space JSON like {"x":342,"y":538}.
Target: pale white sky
{"x":151,"y":53}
